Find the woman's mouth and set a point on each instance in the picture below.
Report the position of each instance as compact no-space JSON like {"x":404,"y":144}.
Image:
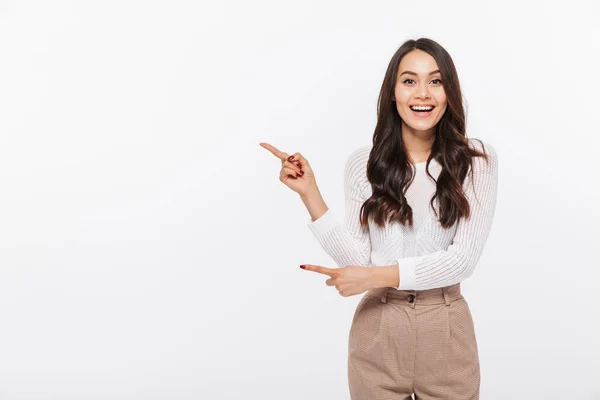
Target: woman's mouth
{"x":422,"y":111}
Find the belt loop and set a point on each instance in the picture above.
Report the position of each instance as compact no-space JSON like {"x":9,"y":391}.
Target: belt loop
{"x":384,"y":295}
{"x":446,"y":296}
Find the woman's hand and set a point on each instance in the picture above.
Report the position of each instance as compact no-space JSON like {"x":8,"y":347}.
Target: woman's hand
{"x":349,"y":281}
{"x":296,"y":172}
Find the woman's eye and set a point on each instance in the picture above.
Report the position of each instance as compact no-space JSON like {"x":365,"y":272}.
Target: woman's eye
{"x":406,"y":80}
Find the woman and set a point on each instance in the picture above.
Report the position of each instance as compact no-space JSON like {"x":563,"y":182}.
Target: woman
{"x":419,"y":207}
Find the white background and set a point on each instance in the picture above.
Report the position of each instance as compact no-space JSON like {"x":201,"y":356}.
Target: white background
{"x":149,"y":251}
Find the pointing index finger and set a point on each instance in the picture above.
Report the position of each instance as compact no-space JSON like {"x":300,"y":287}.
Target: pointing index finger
{"x":322,"y":270}
{"x":276,"y":152}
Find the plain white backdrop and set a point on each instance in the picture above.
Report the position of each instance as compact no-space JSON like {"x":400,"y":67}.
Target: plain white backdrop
{"x":149,"y":251}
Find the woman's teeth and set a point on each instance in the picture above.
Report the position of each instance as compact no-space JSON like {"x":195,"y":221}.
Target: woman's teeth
{"x":422,"y":111}
{"x":421,"y":108}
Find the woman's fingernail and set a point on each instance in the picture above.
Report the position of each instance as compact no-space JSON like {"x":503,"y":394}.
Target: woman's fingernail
{"x":290,"y":158}
{"x":301,"y":172}
{"x":303,"y":266}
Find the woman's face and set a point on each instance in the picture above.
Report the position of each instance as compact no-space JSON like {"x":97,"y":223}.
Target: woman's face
{"x":418,"y":84}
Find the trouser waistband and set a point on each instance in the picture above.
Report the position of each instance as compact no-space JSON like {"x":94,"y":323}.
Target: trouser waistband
{"x":444,"y":295}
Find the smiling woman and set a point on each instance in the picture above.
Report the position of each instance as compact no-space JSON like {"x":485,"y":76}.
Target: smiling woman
{"x":419,"y":207}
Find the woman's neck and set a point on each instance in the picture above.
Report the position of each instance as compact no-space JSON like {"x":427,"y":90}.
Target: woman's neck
{"x":417,"y":145}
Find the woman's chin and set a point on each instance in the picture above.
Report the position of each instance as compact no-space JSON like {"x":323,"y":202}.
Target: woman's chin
{"x":421,"y":125}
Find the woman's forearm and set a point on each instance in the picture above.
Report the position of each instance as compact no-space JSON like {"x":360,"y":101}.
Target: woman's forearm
{"x":386,"y":276}
{"x":314,"y":203}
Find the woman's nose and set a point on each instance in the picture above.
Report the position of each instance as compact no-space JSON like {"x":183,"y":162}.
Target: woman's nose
{"x":423,"y":91}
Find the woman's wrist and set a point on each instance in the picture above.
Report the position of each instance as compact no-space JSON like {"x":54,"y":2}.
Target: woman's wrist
{"x":311,"y":192}
{"x":314,"y":203}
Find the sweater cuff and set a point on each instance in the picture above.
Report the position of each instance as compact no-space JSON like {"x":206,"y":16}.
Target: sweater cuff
{"x":323,"y":224}
{"x":407,"y":266}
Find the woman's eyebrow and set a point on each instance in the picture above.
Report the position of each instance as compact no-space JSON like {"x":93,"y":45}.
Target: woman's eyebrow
{"x":413,"y":73}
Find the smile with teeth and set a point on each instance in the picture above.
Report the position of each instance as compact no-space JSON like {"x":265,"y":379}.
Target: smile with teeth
{"x":422,"y":111}
{"x":422,"y":108}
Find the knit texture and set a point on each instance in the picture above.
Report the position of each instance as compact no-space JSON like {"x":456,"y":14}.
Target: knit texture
{"x":428,"y":256}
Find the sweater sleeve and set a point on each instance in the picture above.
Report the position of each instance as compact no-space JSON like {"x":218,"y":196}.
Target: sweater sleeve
{"x":451,"y":266}
{"x":347,"y":243}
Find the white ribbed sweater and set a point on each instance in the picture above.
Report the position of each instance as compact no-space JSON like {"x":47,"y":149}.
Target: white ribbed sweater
{"x":428,"y":256}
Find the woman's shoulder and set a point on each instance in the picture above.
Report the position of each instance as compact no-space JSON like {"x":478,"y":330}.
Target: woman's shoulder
{"x":485,"y":169}
{"x":361,"y":152}
{"x":356,"y":165}
{"x":358,"y":157}
{"x":483,"y":146}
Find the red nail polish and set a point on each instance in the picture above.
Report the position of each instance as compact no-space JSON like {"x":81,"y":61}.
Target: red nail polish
{"x":290,"y":158}
{"x":303,"y":267}
{"x":301,"y":172}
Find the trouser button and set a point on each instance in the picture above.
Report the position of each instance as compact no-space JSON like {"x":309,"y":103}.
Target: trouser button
{"x":411,"y":298}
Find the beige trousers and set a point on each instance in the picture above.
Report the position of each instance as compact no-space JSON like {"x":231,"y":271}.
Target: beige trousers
{"x":413,"y":341}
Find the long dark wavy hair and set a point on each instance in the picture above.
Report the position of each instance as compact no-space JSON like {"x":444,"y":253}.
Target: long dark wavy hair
{"x":389,"y":170}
